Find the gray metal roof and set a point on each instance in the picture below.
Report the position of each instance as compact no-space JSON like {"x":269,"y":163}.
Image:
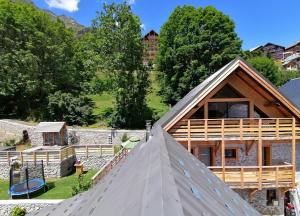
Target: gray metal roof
{"x":52,"y":127}
{"x":159,"y":177}
{"x":292,"y":91}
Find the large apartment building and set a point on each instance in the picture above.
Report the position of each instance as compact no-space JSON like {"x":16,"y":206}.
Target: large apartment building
{"x":150,"y":42}
{"x":292,"y":57}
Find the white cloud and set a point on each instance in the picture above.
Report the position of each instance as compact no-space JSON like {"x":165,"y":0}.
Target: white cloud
{"x":131,"y":2}
{"x":143,"y":26}
{"x":68,"y":5}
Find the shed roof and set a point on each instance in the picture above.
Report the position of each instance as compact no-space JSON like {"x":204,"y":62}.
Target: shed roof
{"x":204,"y":88}
{"x":49,"y":127}
{"x":292,"y":90}
{"x":159,"y":177}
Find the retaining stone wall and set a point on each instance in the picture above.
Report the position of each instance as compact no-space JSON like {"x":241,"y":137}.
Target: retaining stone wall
{"x":259,"y":202}
{"x":94,"y":161}
{"x":30,"y":205}
{"x":77,"y":136}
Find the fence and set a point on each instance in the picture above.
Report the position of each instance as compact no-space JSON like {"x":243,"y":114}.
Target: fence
{"x":56,"y":155}
{"x":112,"y":163}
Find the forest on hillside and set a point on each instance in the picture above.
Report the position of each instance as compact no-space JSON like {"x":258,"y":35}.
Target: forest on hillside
{"x":55,"y":70}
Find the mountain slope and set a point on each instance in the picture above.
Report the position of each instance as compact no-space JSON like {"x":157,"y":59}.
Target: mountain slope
{"x":68,"y":21}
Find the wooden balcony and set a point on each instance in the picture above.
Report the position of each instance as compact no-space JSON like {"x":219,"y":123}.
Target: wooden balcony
{"x":250,"y":177}
{"x":236,"y":129}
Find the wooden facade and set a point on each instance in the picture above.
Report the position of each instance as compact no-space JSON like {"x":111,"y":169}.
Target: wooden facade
{"x":238,"y":115}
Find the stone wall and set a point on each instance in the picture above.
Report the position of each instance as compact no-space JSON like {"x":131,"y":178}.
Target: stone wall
{"x":30,"y":205}
{"x":280,"y":153}
{"x":77,"y":136}
{"x":94,"y":161}
{"x":259,"y":201}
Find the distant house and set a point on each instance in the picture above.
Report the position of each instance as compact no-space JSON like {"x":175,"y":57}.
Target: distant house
{"x":273,"y":50}
{"x":54,"y":133}
{"x":150,"y":42}
{"x":292,"y":91}
{"x":292,"y":57}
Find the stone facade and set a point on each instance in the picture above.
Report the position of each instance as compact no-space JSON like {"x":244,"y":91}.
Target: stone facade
{"x":78,"y":136}
{"x":6,"y":206}
{"x":259,"y":201}
{"x":280,"y":153}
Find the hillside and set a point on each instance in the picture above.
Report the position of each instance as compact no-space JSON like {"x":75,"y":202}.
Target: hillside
{"x":68,"y":21}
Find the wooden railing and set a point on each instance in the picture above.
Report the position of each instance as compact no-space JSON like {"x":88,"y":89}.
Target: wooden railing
{"x":57,"y":155}
{"x":249,"y":176}
{"x":109,"y":165}
{"x":235,"y":129}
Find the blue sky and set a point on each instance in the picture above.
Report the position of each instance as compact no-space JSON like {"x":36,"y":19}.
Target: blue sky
{"x":257,"y":21}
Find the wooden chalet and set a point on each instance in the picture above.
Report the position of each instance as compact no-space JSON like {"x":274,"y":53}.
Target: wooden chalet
{"x":241,"y":127}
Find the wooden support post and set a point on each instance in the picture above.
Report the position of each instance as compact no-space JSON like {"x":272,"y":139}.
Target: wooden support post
{"x":34,"y":158}
{"x":189,"y":136}
{"x":8,"y":157}
{"x":241,"y":129}
{"x":277,"y":129}
{"x":47,"y":157}
{"x":206,"y":110}
{"x":259,"y":152}
{"x":276,"y":176}
{"x":205,"y":129}
{"x":294,"y":151}
{"x":223,"y":151}
{"x":242,"y":177}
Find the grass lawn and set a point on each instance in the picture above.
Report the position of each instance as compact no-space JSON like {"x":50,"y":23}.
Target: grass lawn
{"x":105,"y":101}
{"x":60,"y":188}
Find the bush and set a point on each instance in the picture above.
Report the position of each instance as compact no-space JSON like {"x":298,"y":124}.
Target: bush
{"x":9,"y":142}
{"x":18,"y":211}
{"x":81,"y":185}
{"x":75,"y":110}
{"x":124,"y":137}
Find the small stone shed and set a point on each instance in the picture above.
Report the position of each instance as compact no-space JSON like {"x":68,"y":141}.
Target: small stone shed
{"x":54,"y":133}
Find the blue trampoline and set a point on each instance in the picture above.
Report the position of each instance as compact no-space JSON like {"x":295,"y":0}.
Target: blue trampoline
{"x":22,"y":189}
{"x":27,"y":180}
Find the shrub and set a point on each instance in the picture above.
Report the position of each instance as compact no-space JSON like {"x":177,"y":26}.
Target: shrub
{"x":81,"y":185}
{"x":125,"y":137}
{"x":18,"y":211}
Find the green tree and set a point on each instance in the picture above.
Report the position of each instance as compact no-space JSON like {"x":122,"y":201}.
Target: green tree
{"x":117,"y":38}
{"x":38,"y":57}
{"x":73,"y":110}
{"x":267,"y":67}
{"x":194,"y":43}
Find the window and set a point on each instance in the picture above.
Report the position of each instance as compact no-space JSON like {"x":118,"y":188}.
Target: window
{"x":199,"y":114}
{"x":231,"y":153}
{"x":271,"y":195}
{"x":258,"y":113}
{"x":228,"y":110}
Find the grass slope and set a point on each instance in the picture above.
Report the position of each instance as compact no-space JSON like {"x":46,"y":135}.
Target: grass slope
{"x":105,"y":102}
